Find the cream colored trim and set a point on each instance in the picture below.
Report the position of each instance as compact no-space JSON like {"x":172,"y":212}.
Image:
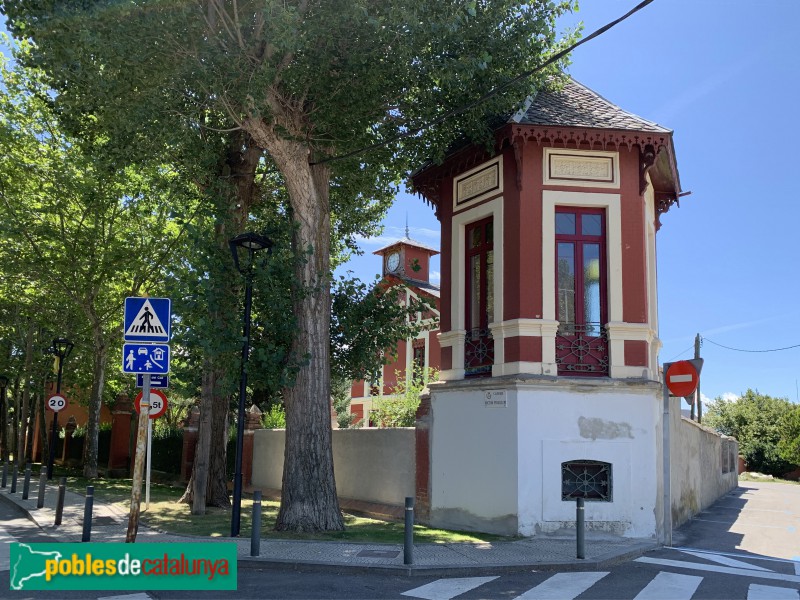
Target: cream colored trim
{"x":524,"y":327}
{"x":455,"y":341}
{"x":494,"y":209}
{"x":581,"y":168}
{"x":518,"y":368}
{"x":630,"y":331}
{"x":612,"y":204}
{"x":652,"y":270}
{"x":624,"y":372}
{"x":492,"y":183}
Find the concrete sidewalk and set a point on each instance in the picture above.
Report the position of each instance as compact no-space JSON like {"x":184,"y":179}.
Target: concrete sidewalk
{"x":109,"y":524}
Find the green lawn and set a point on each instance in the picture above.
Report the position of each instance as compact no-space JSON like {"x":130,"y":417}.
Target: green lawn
{"x":167,"y":514}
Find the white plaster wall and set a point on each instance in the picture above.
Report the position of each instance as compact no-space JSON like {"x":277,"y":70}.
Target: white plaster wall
{"x":499,"y":469}
{"x":618,"y":424}
{"x":374,"y":465}
{"x":473,"y":461}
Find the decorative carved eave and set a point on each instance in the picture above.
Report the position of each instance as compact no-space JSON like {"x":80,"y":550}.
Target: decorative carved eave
{"x":657,"y":158}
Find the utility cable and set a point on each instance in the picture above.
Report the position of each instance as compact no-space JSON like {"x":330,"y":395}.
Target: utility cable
{"x":457,"y":111}
{"x":743,"y":350}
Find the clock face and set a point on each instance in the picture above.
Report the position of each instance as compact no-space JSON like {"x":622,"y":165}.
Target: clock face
{"x":393,"y":261}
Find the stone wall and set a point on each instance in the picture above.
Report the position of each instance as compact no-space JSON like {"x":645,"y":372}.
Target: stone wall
{"x":371,"y":465}
{"x":703,"y":466}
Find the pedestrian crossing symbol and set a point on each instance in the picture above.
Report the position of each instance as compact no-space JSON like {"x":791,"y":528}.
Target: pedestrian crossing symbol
{"x":147,"y":319}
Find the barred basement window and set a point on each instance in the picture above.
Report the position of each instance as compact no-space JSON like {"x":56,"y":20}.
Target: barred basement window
{"x":588,"y":479}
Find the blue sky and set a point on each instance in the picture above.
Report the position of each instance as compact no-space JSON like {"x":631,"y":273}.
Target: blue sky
{"x":725,"y":76}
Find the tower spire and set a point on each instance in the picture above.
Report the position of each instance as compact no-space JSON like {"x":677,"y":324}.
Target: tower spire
{"x":408,"y":237}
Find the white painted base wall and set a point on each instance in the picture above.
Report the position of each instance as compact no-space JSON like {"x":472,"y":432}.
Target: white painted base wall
{"x":497,"y":468}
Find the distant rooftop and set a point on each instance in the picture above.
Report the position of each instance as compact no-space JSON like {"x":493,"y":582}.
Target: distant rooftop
{"x":408,"y":241}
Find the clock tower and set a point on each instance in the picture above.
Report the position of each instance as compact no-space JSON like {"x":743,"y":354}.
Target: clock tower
{"x":407,"y":259}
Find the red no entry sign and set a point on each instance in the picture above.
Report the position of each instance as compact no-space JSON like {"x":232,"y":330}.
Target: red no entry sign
{"x":158,"y":403}
{"x":682,"y":378}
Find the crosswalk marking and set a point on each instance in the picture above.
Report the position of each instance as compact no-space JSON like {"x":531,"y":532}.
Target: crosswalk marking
{"x":770,"y":592}
{"x":670,"y":586}
{"x":725,"y":560}
{"x":681,"y":564}
{"x":563,"y":586}
{"x":569,"y":585}
{"x":445,"y":589}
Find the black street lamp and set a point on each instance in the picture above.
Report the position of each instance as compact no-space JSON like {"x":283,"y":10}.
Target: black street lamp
{"x":252,"y":243}
{"x":61,"y":348}
{"x":4,"y":417}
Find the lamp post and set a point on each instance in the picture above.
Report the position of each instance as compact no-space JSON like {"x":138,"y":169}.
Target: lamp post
{"x":61,"y":348}
{"x":252,"y":243}
{"x":4,"y":417}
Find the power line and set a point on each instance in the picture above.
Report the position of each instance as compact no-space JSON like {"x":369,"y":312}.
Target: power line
{"x":743,"y":350}
{"x":681,"y":352}
{"x":457,"y":111}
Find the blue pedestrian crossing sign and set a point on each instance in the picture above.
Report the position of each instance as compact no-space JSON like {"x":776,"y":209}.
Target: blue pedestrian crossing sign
{"x":145,"y":358}
{"x":147,"y":319}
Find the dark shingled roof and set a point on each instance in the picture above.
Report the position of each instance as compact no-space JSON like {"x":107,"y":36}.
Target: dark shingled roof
{"x":577,"y":106}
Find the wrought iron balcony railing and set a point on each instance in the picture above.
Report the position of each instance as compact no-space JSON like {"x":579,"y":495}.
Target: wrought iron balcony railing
{"x":582,"y":349}
{"x":478,"y":353}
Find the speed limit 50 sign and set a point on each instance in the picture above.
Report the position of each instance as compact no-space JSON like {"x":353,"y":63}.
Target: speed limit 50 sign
{"x":56,"y":402}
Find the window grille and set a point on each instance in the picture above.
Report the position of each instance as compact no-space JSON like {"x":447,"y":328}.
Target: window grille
{"x":587,"y":479}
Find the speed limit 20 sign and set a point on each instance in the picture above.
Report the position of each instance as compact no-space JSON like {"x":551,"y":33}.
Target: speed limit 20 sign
{"x":56,"y":402}
{"x":158,"y":403}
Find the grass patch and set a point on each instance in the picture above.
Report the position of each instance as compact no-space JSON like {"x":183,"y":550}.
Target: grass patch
{"x":167,"y":514}
{"x":748,"y":476}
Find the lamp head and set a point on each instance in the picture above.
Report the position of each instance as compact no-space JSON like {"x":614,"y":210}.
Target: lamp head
{"x":62,"y":347}
{"x":252,"y":242}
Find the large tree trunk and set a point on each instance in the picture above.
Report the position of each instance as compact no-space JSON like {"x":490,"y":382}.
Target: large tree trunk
{"x":308,"y":498}
{"x":96,"y":399}
{"x":238,"y":168}
{"x":208,"y":483}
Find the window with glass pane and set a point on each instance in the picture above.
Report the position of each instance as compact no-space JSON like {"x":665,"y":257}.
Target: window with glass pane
{"x":581,"y":345}
{"x":479,"y":346}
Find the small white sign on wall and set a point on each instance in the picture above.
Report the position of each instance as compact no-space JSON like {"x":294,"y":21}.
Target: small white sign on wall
{"x":496,"y":399}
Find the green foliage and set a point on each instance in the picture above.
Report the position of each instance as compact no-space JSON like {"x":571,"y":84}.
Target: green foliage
{"x":760,"y":423}
{"x":400,"y":409}
{"x":340,"y":395}
{"x":366,"y":324}
{"x":274,"y":418}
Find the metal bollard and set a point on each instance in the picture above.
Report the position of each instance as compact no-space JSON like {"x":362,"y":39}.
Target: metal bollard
{"x":26,"y":485}
{"x":408,"y":542}
{"x":255,"y":533}
{"x":5,"y":473}
{"x":579,"y":527}
{"x":87,"y":514}
{"x":42,"y":484}
{"x":14,"y":480}
{"x":62,"y":488}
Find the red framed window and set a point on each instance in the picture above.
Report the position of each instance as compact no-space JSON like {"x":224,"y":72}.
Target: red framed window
{"x":581,"y":282}
{"x":479,"y":303}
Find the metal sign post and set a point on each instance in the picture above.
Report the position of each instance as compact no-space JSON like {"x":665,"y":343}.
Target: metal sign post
{"x":681,"y":378}
{"x":149,"y":454}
